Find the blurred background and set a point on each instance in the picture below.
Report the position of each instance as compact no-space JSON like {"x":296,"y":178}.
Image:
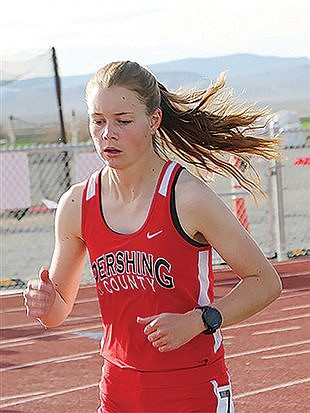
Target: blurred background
{"x":50,"y":49}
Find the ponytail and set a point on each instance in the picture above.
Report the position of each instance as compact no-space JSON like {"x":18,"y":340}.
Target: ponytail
{"x":204,"y":128}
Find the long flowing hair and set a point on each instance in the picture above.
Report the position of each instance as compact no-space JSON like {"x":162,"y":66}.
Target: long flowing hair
{"x":208,"y":130}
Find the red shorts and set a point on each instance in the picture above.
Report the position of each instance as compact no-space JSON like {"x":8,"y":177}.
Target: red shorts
{"x":190,"y":390}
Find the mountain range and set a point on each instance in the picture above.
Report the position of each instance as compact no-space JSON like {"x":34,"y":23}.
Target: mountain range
{"x":279,"y":82}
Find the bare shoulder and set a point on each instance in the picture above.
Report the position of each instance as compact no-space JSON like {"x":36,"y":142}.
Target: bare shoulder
{"x":191,"y":191}
{"x":200,"y":210}
{"x":73,"y":196}
{"x":69,"y":209}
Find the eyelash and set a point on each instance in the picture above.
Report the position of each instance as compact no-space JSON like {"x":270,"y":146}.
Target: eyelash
{"x":122,"y":122}
{"x":125,"y":122}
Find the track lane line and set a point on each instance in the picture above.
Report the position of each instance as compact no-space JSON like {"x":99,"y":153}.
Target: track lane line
{"x":258,"y":323}
{"x":23,"y":309}
{"x":21,"y":396}
{"x":5,"y":343}
{"x":276,"y":330}
{"x":300,"y":294}
{"x":296,"y":307}
{"x":295,"y":353}
{"x":35,"y":323}
{"x":270,"y":348}
{"x":271,"y":388}
{"x":51,"y":394}
{"x":61,"y":359}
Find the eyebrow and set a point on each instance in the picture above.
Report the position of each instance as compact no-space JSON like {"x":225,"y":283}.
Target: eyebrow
{"x":116,"y":114}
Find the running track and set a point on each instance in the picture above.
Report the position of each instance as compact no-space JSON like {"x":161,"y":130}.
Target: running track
{"x":57,"y":370}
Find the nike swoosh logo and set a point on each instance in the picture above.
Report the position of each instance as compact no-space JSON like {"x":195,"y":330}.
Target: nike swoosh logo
{"x":150,"y":236}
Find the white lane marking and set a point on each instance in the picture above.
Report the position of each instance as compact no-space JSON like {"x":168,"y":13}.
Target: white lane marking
{"x":86,"y":300}
{"x":295,"y":353}
{"x":20,"y":396}
{"x":45,"y":334}
{"x":271,"y":388}
{"x":221,"y":283}
{"x":295,"y":274}
{"x":286,"y":293}
{"x":262,"y":350}
{"x":62,"y":359}
{"x":276,"y":330}
{"x":70,"y":318}
{"x":258,"y":323}
{"x":46,"y":395}
{"x":12,"y":310}
{"x":28,"y":343}
{"x":297,"y":289}
{"x":296,"y":307}
{"x":298,"y":294}
{"x":236,"y":280}
{"x":73,"y":359}
{"x":72,"y":337}
{"x":11,"y":293}
{"x":23,"y":309}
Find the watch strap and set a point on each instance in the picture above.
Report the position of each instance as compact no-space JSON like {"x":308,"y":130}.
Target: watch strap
{"x":209,"y":329}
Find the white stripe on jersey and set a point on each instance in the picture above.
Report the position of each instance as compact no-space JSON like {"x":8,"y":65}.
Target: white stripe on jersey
{"x":203,"y":276}
{"x":91,"y":187}
{"x":204,"y":299}
{"x":217,"y":340}
{"x":163,"y":189}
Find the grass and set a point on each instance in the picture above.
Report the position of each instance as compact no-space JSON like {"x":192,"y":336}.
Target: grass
{"x":305,"y":122}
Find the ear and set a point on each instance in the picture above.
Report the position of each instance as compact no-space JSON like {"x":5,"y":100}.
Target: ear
{"x":156,"y":118}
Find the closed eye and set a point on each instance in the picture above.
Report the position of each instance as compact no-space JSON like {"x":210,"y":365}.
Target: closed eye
{"x":124,"y":122}
{"x":98,"y":122}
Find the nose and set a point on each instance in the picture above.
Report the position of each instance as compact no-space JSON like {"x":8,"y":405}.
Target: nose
{"x":108,"y":132}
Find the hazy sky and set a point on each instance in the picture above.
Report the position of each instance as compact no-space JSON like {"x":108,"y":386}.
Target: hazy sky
{"x":90,"y":33}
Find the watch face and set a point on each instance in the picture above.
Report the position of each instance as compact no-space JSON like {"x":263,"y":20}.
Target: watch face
{"x":212,"y":318}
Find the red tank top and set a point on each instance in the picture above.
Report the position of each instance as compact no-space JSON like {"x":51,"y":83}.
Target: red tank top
{"x":156,"y":269}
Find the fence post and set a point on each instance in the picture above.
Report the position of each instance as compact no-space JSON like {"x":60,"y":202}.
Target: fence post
{"x":278,"y":203}
{"x":11,"y":131}
{"x":272,"y":241}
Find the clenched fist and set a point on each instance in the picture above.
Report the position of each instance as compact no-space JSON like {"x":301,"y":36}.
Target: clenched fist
{"x":169,"y":331}
{"x":39,"y":295}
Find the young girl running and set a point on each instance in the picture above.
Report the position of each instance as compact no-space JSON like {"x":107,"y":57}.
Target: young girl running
{"x":149,"y":223}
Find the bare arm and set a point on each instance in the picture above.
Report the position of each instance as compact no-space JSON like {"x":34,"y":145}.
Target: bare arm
{"x":205,"y":213}
{"x":59,"y":288}
{"x":202,"y":214}
{"x":259,"y":283}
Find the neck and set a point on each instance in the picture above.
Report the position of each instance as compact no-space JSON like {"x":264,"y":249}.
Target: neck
{"x":135,"y":181}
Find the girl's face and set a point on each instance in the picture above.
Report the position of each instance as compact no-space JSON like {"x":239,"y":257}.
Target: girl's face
{"x":119,"y":126}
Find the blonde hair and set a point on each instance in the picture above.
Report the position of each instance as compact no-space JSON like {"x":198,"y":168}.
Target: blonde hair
{"x":201,"y":128}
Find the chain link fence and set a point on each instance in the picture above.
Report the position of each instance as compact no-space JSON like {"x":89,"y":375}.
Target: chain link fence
{"x":33,"y":179}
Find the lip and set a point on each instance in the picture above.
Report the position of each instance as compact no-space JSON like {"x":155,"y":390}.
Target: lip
{"x":112,"y":152}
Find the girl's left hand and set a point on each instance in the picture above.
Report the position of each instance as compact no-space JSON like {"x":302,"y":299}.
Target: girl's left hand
{"x":169,"y":331}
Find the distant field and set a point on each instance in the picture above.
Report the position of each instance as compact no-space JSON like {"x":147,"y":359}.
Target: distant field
{"x":305,"y":122}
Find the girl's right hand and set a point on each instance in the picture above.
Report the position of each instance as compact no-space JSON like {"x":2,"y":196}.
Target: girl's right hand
{"x":39,"y":295}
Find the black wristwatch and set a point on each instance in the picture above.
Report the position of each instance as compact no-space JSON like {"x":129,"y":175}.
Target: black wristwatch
{"x":211,"y":318}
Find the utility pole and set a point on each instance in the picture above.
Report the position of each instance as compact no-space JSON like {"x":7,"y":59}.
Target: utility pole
{"x":65,"y":179}
{"x":58,"y":94}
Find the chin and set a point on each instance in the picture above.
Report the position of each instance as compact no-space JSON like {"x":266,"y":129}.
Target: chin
{"x":113,"y":164}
